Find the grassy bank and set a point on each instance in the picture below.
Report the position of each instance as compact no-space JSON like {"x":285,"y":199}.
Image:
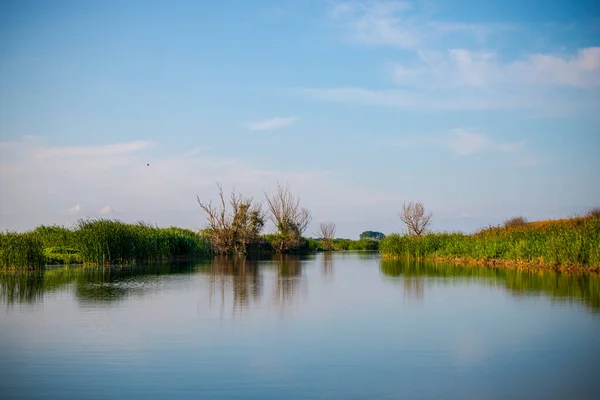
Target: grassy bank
{"x":98,"y":242}
{"x":554,"y":244}
{"x":344,"y":244}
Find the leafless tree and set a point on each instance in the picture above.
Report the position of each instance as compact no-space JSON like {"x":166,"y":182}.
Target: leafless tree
{"x":326,"y":233}
{"x":414,"y":217}
{"x":235,"y":230}
{"x":515,"y":222}
{"x":594,"y":212}
{"x":289,"y":218}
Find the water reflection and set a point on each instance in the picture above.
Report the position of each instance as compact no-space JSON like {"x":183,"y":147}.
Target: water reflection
{"x":21,"y":287}
{"x":243,"y":283}
{"x":560,"y":287}
{"x":240,"y":276}
{"x":327,"y":264}
{"x":413,"y":288}
{"x":288,"y":283}
{"x":92,"y":285}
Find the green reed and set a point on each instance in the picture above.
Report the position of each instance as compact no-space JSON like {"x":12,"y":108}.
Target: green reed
{"x":98,"y":242}
{"x":103,"y":242}
{"x":570,"y":242}
{"x":21,"y":251}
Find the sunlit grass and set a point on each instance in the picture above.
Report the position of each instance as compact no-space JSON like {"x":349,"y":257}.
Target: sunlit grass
{"x":98,"y":242}
{"x":573,"y":242}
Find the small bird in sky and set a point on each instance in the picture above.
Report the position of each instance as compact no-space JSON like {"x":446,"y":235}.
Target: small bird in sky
{"x":147,"y":165}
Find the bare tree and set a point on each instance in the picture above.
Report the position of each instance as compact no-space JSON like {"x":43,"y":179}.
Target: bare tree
{"x":594,"y":212}
{"x":235,"y":230}
{"x":414,"y":217}
{"x":326,"y":233}
{"x":289,"y":218}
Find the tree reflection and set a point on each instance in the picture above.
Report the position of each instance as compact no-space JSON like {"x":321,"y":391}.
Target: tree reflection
{"x":288,"y":280}
{"x":327,"y":266}
{"x":240,"y":275}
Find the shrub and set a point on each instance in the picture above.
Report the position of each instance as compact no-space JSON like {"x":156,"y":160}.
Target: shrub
{"x":515,"y":222}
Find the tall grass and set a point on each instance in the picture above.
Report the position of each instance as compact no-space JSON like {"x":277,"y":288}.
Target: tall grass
{"x":98,"y":242}
{"x":559,"y":243}
{"x":21,"y":251}
{"x":103,"y":242}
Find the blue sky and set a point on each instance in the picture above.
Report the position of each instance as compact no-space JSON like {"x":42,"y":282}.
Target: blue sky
{"x":482,"y":110}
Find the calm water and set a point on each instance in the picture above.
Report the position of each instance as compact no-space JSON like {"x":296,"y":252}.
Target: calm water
{"x":344,"y":326}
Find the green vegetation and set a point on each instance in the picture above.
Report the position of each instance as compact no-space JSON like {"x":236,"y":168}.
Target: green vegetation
{"x":98,"y":242}
{"x":21,"y":251}
{"x":372,"y":235}
{"x":573,"y":242}
{"x":343,"y":244}
{"x":105,"y":242}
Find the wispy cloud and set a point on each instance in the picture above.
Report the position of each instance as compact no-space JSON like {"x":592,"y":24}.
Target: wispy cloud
{"x":447,"y":67}
{"x":105,"y":210}
{"x":91,"y":151}
{"x":74,"y":210}
{"x":401,"y":24}
{"x":461,"y":67}
{"x":440,"y":100}
{"x":462,"y":142}
{"x":460,"y":79}
{"x":271,"y":123}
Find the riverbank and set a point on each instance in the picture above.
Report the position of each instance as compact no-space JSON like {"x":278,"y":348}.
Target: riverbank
{"x":571,"y":245}
{"x":111,"y":242}
{"x":520,"y":265}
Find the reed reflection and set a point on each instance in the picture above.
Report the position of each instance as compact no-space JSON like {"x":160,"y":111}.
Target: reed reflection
{"x":92,"y":284}
{"x":21,"y":287}
{"x":583,"y":288}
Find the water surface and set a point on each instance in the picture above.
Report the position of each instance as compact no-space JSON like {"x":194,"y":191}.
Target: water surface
{"x":344,"y":325}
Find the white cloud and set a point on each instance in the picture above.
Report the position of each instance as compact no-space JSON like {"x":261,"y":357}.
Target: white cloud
{"x":460,"y":79}
{"x":270,"y":124}
{"x":74,"y":210}
{"x":461,"y":67}
{"x":465,"y":77}
{"x":105,"y":210}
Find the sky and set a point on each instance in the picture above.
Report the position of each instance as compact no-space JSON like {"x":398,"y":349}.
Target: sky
{"x":482,"y":110}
